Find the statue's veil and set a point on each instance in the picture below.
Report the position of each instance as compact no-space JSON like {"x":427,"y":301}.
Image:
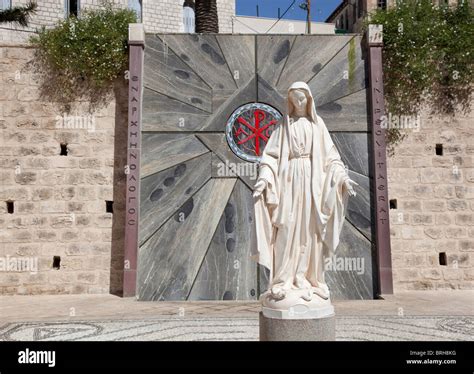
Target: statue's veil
{"x":311,"y":109}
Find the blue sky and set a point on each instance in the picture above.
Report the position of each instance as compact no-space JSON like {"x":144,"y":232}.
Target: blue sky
{"x":320,"y":9}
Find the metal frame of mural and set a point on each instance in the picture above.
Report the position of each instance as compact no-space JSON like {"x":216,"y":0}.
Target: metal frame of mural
{"x":278,"y":61}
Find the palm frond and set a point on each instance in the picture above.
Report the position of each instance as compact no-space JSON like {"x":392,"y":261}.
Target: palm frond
{"x":19,"y":14}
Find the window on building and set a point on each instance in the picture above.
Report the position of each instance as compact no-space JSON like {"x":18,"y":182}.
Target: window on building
{"x":354,"y":11}
{"x":382,"y":4}
{"x":347,"y":19}
{"x":360,"y":8}
{"x":72,"y":8}
{"x":5,"y":4}
{"x":136,"y":6}
{"x":343,"y":21}
{"x":188,"y":16}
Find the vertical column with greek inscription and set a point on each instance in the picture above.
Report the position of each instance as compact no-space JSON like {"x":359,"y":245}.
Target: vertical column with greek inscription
{"x":379,"y":166}
{"x":132,"y":169}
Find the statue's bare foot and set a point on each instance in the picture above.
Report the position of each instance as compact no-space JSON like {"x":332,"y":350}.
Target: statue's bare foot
{"x":324,"y":287}
{"x":308,"y":296}
{"x":322,"y":293}
{"x":278,"y":293}
{"x":302,"y":283}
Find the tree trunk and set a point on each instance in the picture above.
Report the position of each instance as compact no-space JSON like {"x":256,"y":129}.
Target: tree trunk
{"x":206,"y":17}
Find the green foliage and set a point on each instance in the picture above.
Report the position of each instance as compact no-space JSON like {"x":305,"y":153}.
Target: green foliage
{"x":427,"y":58}
{"x":81,"y":57}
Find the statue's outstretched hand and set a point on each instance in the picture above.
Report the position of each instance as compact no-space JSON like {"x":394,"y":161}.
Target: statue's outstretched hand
{"x":350,"y":184}
{"x":259,"y":188}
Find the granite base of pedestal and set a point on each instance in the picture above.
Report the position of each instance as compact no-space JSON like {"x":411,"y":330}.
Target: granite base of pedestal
{"x":314,"y":329}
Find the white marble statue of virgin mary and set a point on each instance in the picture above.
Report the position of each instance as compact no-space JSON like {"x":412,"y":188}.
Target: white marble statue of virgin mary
{"x":300,"y":201}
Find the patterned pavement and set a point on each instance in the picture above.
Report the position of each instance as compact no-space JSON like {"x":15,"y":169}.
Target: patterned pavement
{"x":197,"y":328}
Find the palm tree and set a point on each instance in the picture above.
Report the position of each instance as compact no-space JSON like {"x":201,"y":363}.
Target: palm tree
{"x":206,"y":17}
{"x":19,"y":14}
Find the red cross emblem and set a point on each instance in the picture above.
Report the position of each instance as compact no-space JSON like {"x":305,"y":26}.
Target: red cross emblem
{"x":249,"y":129}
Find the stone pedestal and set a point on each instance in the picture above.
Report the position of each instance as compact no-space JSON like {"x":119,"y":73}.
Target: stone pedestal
{"x":314,"y":329}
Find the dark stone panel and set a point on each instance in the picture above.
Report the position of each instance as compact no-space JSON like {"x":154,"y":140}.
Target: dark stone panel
{"x":217,"y":143}
{"x":203,"y":54}
{"x":227,"y":272}
{"x":162,"y":113}
{"x":161,"y":151}
{"x":239,"y":52}
{"x":343,"y":75}
{"x":170,"y":260}
{"x":353,"y":148}
{"x":162,"y":194}
{"x":263,"y":278}
{"x":349,"y":113}
{"x":245,"y":94}
{"x":269,"y":95}
{"x":272,"y":54}
{"x":308,"y":56}
{"x":359,"y":208}
{"x":349,"y":273}
{"x":184,"y":255}
{"x":166,"y":73}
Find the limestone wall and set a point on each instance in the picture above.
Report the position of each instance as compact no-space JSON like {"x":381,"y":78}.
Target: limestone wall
{"x":432,"y":227}
{"x":54,"y":205}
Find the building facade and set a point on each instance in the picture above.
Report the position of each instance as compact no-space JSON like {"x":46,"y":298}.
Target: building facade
{"x":350,"y":14}
{"x":156,"y":15}
{"x":262,"y":25}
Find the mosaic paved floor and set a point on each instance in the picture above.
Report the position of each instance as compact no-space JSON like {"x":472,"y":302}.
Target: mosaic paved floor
{"x":245,"y":328}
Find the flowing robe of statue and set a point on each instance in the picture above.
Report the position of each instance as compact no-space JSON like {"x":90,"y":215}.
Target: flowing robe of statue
{"x":300,"y":213}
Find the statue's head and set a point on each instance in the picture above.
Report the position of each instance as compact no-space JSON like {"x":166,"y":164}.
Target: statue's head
{"x":300,"y":101}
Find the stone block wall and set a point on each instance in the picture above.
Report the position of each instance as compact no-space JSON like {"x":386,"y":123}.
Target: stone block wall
{"x":158,"y":16}
{"x":53,"y":208}
{"x":431,"y":187}
{"x":226,"y":9}
{"x":167,"y":15}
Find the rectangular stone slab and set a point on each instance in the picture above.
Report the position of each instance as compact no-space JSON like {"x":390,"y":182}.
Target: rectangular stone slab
{"x":272,"y":54}
{"x":348,"y":113}
{"x":163,"y":113}
{"x":227,"y":272}
{"x":308,"y":55}
{"x":353,"y":148}
{"x":161,"y":151}
{"x":170,"y":260}
{"x":239,"y":52}
{"x":163,"y":193}
{"x":343,"y":75}
{"x":244,"y":94}
{"x":359,"y":211}
{"x":217,"y":143}
{"x":203,"y":54}
{"x":269,"y":95}
{"x":168,"y":74}
{"x":346,"y":283}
